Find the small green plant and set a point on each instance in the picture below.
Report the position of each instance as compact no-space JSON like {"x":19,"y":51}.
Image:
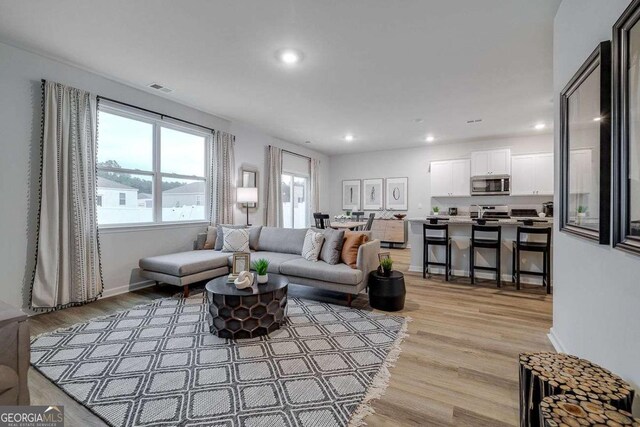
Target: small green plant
{"x":436,"y":209}
{"x":260,"y":266}
{"x":348,"y":213}
{"x":386,"y":264}
{"x":582,"y":209}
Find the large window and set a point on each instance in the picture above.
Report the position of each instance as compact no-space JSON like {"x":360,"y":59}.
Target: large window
{"x":149,"y":171}
{"x":295,"y":191}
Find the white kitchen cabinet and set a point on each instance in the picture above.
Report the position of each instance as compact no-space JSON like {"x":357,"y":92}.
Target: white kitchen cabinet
{"x":451,"y":178}
{"x":580,"y":171}
{"x":492,"y":162}
{"x":440,"y":179}
{"x":532,"y":174}
{"x":543,"y":166}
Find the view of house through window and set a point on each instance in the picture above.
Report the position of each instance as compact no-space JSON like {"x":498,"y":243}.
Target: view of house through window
{"x":148,"y":170}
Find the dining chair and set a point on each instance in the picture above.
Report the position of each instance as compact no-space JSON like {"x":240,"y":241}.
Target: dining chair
{"x":369,"y":224}
{"x":321,"y":220}
{"x":356,"y":215}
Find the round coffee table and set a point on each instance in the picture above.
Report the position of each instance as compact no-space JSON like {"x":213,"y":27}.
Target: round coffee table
{"x":246,"y":313}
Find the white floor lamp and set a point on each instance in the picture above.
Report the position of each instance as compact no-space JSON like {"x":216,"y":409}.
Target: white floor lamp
{"x":247,"y":195}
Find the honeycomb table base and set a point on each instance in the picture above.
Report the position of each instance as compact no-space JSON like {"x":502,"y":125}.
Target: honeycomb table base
{"x":246,"y":313}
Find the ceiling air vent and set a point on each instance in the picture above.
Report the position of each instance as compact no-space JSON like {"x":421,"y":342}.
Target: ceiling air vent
{"x":474,"y":121}
{"x":161,"y":88}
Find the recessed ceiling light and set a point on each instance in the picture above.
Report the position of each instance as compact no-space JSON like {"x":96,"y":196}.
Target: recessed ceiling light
{"x":539,"y":126}
{"x":289,"y":56}
{"x":418,"y":120}
{"x":349,"y":137}
{"x":430,"y":138}
{"x":597,"y":119}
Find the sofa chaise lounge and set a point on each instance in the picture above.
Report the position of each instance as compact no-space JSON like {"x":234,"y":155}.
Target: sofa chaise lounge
{"x":282,"y":247}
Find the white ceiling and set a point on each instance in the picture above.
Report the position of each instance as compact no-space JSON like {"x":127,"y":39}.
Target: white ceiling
{"x":371,"y":66}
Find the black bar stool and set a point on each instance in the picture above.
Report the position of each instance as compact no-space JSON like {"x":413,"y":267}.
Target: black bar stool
{"x":442,"y":239}
{"x":521,"y":244}
{"x":488,"y":243}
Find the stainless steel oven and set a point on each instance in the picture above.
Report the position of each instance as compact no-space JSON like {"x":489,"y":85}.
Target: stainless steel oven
{"x":491,"y":185}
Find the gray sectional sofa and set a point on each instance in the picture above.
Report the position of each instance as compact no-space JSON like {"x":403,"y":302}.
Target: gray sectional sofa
{"x":281,"y":246}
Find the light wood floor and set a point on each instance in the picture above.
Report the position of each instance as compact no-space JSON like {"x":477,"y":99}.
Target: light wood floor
{"x":457,"y":367}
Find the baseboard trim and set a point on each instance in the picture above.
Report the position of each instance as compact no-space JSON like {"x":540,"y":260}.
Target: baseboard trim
{"x":555,"y":341}
{"x":479,"y":275}
{"x":127,"y":288}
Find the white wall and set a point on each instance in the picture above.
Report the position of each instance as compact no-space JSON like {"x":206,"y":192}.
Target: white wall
{"x":251,"y":149}
{"x":596,"y":302}
{"x":414,"y":163}
{"x":20,"y":115}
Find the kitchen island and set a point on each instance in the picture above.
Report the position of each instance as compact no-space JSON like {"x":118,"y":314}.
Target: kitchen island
{"x":460,"y":233}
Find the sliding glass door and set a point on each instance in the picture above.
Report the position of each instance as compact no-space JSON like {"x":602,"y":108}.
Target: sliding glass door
{"x":295,"y":201}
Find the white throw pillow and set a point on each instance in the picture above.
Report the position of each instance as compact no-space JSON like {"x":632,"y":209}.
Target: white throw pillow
{"x":312,"y":245}
{"x":235,"y":240}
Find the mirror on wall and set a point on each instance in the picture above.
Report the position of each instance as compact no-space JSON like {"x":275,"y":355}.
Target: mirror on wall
{"x":250,"y":180}
{"x":585,"y":160}
{"x":626,"y":89}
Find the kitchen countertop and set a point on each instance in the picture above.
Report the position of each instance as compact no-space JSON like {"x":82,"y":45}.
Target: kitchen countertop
{"x":466,"y":220}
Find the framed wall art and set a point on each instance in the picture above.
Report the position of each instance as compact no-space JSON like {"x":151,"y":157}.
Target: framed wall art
{"x":372,"y":194}
{"x":585,"y":149}
{"x":351,"y":195}
{"x":396,"y":194}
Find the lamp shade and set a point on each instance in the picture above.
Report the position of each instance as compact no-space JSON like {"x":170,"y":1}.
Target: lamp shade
{"x":247,"y":195}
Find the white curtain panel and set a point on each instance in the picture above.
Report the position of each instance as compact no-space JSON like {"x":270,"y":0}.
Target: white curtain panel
{"x":273,"y":212}
{"x":68,"y":270}
{"x":315,"y":185}
{"x":222,"y":198}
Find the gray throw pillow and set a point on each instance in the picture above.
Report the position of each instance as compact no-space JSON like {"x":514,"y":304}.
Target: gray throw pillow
{"x":332,"y":248}
{"x":254,"y":235}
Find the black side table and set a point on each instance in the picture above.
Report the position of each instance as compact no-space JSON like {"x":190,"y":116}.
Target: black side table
{"x":387,"y":292}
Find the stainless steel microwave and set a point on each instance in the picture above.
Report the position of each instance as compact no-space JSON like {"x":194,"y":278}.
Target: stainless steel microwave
{"x":491,"y":185}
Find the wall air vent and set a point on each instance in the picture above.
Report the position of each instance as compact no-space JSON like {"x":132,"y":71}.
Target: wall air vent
{"x":161,"y":88}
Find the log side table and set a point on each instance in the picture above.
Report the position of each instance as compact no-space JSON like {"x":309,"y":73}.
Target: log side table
{"x":565,"y":409}
{"x":386,"y":292}
{"x":546,"y":374}
{"x":246,"y":313}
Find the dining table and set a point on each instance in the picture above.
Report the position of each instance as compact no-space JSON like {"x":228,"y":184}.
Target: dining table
{"x":349,"y":225}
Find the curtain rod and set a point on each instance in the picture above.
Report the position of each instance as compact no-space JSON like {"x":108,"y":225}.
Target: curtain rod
{"x":296,"y":154}
{"x":162,"y":116}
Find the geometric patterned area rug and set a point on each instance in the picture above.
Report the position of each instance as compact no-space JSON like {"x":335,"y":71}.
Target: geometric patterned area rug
{"x":158,"y":365}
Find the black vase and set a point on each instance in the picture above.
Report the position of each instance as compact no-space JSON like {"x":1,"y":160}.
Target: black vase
{"x":386,"y":272}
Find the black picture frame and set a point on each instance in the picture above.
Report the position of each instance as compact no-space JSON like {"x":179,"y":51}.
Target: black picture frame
{"x":622,"y":236}
{"x":601,"y":57}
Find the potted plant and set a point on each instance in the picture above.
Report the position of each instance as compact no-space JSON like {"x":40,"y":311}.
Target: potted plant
{"x":436,"y":210}
{"x":582,"y":211}
{"x":260,"y":266}
{"x":387,"y":265}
